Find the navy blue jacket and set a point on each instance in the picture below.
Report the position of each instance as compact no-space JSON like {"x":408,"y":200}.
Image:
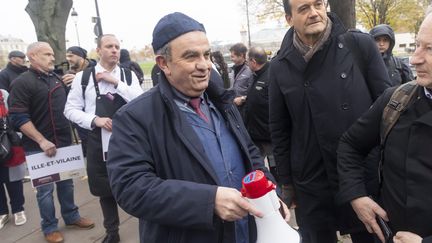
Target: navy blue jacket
{"x":10,"y":73}
{"x":159,"y":173}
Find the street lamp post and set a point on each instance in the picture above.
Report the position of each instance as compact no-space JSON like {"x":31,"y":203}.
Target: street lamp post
{"x":248,"y":26}
{"x":98,"y":25}
{"x":74,"y":16}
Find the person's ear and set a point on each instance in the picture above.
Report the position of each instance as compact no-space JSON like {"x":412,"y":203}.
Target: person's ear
{"x":288,"y":18}
{"x":163,"y":64}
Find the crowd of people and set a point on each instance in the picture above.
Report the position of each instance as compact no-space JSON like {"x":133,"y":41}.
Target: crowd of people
{"x":334,"y":119}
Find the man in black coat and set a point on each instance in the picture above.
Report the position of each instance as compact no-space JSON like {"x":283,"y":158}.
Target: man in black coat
{"x":126,"y":62}
{"x":36,"y":104}
{"x":178,"y":152}
{"x":14,"y":68}
{"x":317,"y":90}
{"x":257,"y":104}
{"x":405,"y":197}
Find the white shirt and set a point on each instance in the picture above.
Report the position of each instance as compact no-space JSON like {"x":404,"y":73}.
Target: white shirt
{"x":83,"y":113}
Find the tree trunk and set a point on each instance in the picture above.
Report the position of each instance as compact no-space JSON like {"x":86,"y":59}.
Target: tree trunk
{"x":345,"y":10}
{"x":49,"y":18}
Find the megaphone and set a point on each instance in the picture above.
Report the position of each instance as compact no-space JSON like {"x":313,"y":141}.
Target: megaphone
{"x":271,"y":227}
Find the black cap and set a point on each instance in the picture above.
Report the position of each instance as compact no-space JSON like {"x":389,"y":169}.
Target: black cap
{"x":77,"y":51}
{"x":16,"y":54}
{"x":172,"y":26}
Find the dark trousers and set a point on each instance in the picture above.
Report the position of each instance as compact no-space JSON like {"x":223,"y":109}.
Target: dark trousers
{"x":16,"y":195}
{"x":364,"y":237}
{"x":318,"y":236}
{"x":329,"y":236}
{"x":110,"y":213}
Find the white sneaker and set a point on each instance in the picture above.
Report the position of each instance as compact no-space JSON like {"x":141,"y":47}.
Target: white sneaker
{"x":20,"y":218}
{"x":3,"y":220}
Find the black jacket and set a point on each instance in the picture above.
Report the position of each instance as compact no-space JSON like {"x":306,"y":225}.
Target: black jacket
{"x":405,"y":193}
{"x":10,"y":73}
{"x":398,"y":71}
{"x":311,"y":105}
{"x":257,"y":106}
{"x":159,"y":173}
{"x":41,"y":99}
{"x":126,"y":62}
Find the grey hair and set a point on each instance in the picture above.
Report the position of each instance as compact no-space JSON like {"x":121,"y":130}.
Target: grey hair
{"x":165,"y":51}
{"x":35,"y":45}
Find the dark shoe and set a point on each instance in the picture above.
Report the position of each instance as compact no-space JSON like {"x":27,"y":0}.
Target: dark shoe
{"x":54,"y":237}
{"x":111,"y":238}
{"x":82,"y":223}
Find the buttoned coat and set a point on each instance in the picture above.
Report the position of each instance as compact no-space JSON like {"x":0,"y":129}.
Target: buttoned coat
{"x":311,"y":105}
{"x":159,"y":172}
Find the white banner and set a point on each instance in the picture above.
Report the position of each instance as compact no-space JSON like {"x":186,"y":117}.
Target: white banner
{"x":66,"y":164}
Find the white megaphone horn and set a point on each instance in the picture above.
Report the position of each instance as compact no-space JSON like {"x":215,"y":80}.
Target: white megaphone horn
{"x":271,"y":228}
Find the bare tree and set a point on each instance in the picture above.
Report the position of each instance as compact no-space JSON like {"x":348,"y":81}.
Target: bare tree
{"x":49,"y":18}
{"x":273,"y":9}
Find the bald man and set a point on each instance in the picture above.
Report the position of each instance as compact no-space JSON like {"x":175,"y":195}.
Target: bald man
{"x":36,"y":104}
{"x":404,"y":200}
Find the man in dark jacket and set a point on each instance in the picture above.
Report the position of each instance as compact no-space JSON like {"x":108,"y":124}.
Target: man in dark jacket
{"x":398,"y":71}
{"x":257,"y":105}
{"x":178,"y":153}
{"x":126,"y":62}
{"x":14,"y":68}
{"x":405,"y":196}
{"x":316,"y":92}
{"x":36,"y":104}
{"x":241,"y":74}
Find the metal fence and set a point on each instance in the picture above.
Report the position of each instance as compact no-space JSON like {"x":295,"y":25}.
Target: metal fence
{"x":147,"y":84}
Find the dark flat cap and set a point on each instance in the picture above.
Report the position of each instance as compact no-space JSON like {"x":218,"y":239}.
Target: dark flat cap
{"x":77,"y":51}
{"x":16,"y":54}
{"x":172,"y":26}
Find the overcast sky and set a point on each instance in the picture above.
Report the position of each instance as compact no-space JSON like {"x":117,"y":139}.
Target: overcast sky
{"x":132,"y":21}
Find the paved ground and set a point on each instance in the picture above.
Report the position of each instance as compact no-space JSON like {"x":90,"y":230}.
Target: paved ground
{"x":88,"y":207}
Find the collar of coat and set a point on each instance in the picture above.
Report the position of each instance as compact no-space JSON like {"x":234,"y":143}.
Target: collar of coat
{"x":16,"y":69}
{"x":220,"y":97}
{"x":287,"y":46}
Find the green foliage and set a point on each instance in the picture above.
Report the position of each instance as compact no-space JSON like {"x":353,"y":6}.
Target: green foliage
{"x":402,"y":15}
{"x":147,"y":67}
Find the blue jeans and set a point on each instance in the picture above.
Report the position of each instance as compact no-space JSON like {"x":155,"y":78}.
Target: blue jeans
{"x":65,"y":195}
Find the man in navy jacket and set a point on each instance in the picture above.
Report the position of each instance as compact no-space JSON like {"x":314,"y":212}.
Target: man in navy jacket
{"x":178,"y":153}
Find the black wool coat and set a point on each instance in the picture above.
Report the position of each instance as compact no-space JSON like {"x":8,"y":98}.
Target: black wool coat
{"x":311,"y":105}
{"x":407,"y":167}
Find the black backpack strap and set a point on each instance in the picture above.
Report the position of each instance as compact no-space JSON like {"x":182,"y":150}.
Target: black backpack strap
{"x":85,"y":79}
{"x":348,"y":39}
{"x":397,"y":104}
{"x":128,"y":75}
